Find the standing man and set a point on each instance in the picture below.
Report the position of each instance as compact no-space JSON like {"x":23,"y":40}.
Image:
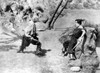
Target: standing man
{"x":30,"y":36}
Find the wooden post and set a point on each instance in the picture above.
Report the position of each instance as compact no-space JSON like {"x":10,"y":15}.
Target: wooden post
{"x":49,"y":25}
{"x":52,"y":25}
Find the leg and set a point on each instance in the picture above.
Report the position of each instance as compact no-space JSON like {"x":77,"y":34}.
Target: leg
{"x":25,"y":43}
{"x":38,"y":46}
{"x":71,"y":51}
{"x":65,"y":48}
{"x":37,"y":42}
{"x":73,"y":55}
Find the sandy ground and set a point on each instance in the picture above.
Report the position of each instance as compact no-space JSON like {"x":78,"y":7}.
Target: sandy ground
{"x":53,"y":61}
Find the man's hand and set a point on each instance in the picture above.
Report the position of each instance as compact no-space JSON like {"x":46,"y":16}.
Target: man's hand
{"x":33,"y":39}
{"x":28,"y":36}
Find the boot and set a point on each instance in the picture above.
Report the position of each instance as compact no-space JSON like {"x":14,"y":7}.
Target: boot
{"x":20,"y":51}
{"x":38,"y":50}
{"x":66,"y":53}
{"x":63,"y":50}
{"x":71,"y":57}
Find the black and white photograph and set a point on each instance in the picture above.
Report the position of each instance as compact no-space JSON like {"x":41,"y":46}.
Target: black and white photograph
{"x":49,"y":36}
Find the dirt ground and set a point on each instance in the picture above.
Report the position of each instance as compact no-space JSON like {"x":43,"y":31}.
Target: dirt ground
{"x":52,"y":61}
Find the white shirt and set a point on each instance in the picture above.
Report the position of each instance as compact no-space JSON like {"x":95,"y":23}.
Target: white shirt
{"x":29,"y":28}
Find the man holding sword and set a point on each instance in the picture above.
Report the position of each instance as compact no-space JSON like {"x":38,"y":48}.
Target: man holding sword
{"x":30,"y":36}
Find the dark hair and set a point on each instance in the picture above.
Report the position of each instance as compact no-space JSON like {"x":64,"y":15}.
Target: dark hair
{"x":20,"y":7}
{"x":79,"y":21}
{"x":40,"y":9}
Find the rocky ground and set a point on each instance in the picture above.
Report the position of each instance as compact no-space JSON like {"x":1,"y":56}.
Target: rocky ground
{"x":52,"y":61}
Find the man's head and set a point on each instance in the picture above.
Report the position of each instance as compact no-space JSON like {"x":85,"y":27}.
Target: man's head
{"x":40,"y":9}
{"x":37,"y":13}
{"x":79,"y":22}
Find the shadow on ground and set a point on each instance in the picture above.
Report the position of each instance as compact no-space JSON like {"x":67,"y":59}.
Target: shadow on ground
{"x":43,"y":53}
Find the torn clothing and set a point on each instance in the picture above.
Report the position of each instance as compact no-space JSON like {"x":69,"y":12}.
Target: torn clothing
{"x":77,"y":33}
{"x":72,"y":39}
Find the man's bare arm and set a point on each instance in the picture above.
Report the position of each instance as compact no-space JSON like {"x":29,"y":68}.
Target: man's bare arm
{"x":80,"y":38}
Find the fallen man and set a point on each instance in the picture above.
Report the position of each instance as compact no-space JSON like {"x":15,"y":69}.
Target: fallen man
{"x":73,"y":39}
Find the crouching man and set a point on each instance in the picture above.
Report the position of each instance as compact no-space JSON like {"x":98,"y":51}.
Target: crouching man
{"x":30,"y":36}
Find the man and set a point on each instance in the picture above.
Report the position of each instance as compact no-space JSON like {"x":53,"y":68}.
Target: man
{"x":74,"y":38}
{"x":30,"y":36}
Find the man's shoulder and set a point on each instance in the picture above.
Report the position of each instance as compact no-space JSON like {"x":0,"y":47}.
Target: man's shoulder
{"x":30,"y":22}
{"x":69,"y":30}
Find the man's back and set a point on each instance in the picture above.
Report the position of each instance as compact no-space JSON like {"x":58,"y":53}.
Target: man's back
{"x":77,"y":33}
